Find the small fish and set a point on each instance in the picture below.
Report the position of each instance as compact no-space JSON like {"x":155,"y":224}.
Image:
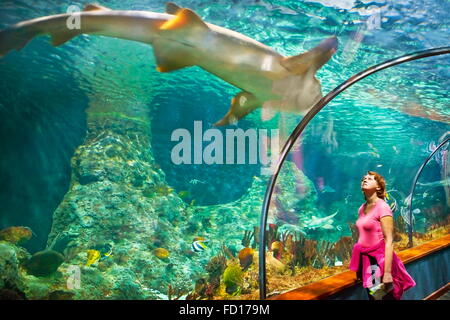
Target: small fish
{"x":416,"y":211}
{"x":325,"y":223}
{"x":198,"y":245}
{"x":184,"y":194}
{"x":395,"y":149}
{"x":346,"y":198}
{"x":196,"y":181}
{"x":92,"y":257}
{"x":393,"y":206}
{"x":338,"y":263}
{"x":379,"y":165}
{"x":405,"y":215}
{"x":107,"y":252}
{"x":424,"y":195}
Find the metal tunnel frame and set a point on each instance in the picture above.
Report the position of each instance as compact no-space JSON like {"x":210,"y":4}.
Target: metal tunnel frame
{"x":413,"y":187}
{"x":299,"y":129}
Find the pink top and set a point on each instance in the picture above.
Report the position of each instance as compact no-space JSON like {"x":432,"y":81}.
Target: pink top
{"x":369,"y":225}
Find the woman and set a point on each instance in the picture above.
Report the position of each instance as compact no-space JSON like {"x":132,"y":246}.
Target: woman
{"x":373,"y":256}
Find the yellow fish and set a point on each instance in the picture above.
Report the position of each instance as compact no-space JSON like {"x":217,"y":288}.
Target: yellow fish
{"x":92,"y":257}
{"x":184,"y":194}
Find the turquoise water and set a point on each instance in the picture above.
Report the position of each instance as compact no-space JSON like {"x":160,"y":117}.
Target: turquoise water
{"x":49,"y":135}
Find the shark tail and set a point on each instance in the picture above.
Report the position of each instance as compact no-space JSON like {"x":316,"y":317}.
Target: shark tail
{"x":17,"y":36}
{"x":13,"y":38}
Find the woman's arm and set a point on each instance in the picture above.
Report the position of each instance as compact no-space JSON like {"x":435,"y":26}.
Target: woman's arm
{"x":387,"y":225}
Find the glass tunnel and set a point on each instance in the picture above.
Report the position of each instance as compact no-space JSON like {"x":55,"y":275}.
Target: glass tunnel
{"x":116,"y":183}
{"x":288,"y":236}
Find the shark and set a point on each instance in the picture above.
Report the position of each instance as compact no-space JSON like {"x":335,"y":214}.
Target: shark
{"x":180,"y":39}
{"x":322,"y":223}
{"x":314,"y":223}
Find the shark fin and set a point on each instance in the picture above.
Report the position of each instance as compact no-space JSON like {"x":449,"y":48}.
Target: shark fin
{"x":184,"y":17}
{"x":298,"y":64}
{"x":13,"y":38}
{"x":172,"y":8}
{"x":94,"y":7}
{"x":168,"y":65}
{"x":58,"y":38}
{"x":241,"y":105}
{"x":168,"y":59}
{"x":312,"y":59}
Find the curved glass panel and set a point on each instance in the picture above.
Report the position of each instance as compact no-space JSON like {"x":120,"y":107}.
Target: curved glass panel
{"x":430,"y":201}
{"x":313,"y":213}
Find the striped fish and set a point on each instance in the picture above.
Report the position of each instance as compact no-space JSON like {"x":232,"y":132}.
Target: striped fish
{"x":199,"y":245}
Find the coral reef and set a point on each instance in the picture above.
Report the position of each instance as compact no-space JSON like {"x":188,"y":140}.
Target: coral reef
{"x":9,"y":266}
{"x":44,"y":263}
{"x":16,"y":235}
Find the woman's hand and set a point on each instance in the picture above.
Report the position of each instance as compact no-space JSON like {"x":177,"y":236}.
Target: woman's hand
{"x":387,"y":278}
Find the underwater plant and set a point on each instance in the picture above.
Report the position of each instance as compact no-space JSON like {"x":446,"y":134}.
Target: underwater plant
{"x":174,"y":293}
{"x":232,"y":278}
{"x":255,"y":237}
{"x":272,"y":235}
{"x":248,"y":235}
{"x":343,"y":248}
{"x":215,"y":267}
{"x":227,"y":251}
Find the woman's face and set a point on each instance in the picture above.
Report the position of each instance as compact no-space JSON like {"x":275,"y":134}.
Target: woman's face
{"x":368,"y":183}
